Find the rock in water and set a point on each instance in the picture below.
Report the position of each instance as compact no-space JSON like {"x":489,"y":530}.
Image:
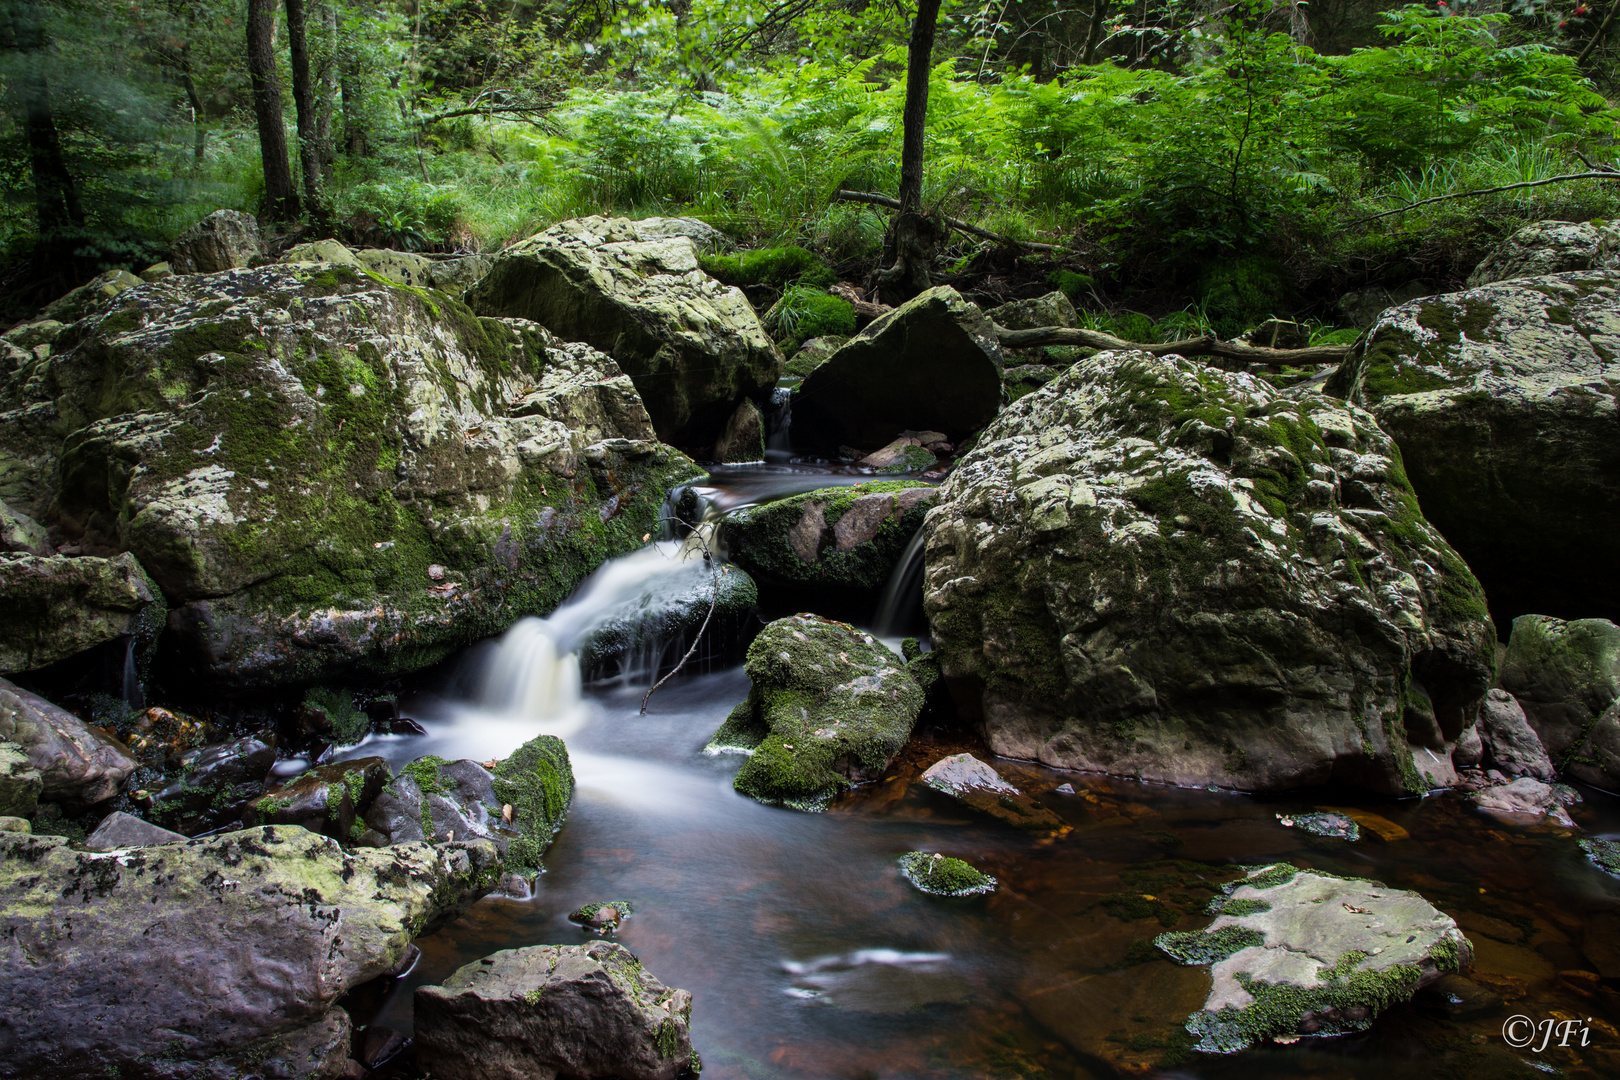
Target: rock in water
{"x":847,"y":537}
{"x":224,"y":240}
{"x":587,"y":1012}
{"x":57,"y":606}
{"x":931,"y":364}
{"x":288,"y":450}
{"x":1502,"y":400}
{"x":188,"y":958}
{"x":1507,"y":741}
{"x":694,"y":348}
{"x":830,"y":706}
{"x":77,"y":764}
{"x":1550,"y":247}
{"x":973,"y":783}
{"x":941,"y":875}
{"x":1296,"y":953}
{"x":1526,"y":799}
{"x":654,"y":631}
{"x":1158,"y":569}
{"x":1566,"y":677}
{"x":328,"y":799}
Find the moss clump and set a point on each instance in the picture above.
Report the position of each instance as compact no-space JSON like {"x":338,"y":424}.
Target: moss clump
{"x":1239,"y":908}
{"x":538,"y":782}
{"x":1190,"y":947}
{"x":339,"y":715}
{"x":769,"y":266}
{"x":805,"y":312}
{"x":425,"y":771}
{"x":1605,"y":854}
{"x":941,"y":875}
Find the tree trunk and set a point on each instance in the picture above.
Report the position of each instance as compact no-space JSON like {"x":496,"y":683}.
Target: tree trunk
{"x":913,"y":237}
{"x":280,"y":198}
{"x":56,"y":195}
{"x":1094,"y":31}
{"x":327,"y":67}
{"x":309,"y":155}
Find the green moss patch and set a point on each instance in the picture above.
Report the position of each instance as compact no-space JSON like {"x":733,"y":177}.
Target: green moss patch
{"x":1605,"y":854}
{"x":941,"y":875}
{"x":1190,"y":947}
{"x":538,"y":782}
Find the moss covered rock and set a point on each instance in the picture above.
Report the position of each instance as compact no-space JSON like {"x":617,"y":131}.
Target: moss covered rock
{"x":289,"y":450}
{"x":941,"y":875}
{"x":1566,"y":678}
{"x":694,"y":348}
{"x":829,"y":707}
{"x":153,"y":962}
{"x":1550,"y":247}
{"x":57,"y":607}
{"x":1301,"y":953}
{"x":1503,"y":402}
{"x":1157,"y":569}
{"x":848,"y":537}
{"x":224,"y":240}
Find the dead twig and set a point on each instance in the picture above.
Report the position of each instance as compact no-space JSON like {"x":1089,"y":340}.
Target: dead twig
{"x":1606,"y":174}
{"x":714,"y":602}
{"x":872,"y":198}
{"x":1208,"y":345}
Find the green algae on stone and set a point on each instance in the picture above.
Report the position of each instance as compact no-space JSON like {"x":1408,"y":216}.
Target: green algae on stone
{"x":941,"y":875}
{"x":848,"y":537}
{"x":537,"y":781}
{"x":1605,"y":854}
{"x":1200,"y":947}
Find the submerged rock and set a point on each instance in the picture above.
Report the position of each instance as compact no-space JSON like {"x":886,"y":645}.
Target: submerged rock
{"x":1502,"y":400}
{"x":940,"y":875}
{"x":1298,"y":953}
{"x":588,"y":1012}
{"x":224,"y":240}
{"x":694,"y":348}
{"x":829,"y":707}
{"x":933,"y":363}
{"x":849,"y":537}
{"x":57,"y":607}
{"x":1157,"y":569}
{"x":77,"y":764}
{"x":288,"y":451}
{"x":1566,"y":677}
{"x":1550,"y":247}
{"x":154,"y":962}
{"x":973,"y":783}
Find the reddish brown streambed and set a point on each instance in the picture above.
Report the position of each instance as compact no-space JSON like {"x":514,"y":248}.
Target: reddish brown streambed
{"x":809,"y":956}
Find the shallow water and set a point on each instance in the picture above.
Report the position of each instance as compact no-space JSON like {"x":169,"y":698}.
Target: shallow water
{"x":809,"y":956}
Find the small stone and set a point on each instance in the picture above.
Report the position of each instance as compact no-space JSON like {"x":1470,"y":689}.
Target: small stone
{"x":435,"y":572}
{"x":939,"y":875}
{"x":121,"y":830}
{"x":16,"y":824}
{"x":1064,"y":789}
{"x":604,"y":917}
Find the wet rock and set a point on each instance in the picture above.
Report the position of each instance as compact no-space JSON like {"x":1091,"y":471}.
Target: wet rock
{"x":933,"y":362}
{"x":456,"y":276}
{"x":1566,"y":678}
{"x":694,"y":348}
{"x":57,"y":607}
{"x":1605,"y":855}
{"x":973,"y":783}
{"x":850,"y":537}
{"x":288,"y":449}
{"x":603,"y":917}
{"x":330,"y":799}
{"x":121,"y":830}
{"x":585,"y":1012}
{"x":20,"y":783}
{"x":1146,"y":541}
{"x":1297,"y":953}
{"x":1502,"y":400}
{"x":1507,"y":741}
{"x":1323,"y":823}
{"x":654,"y":631}
{"x":903,"y":454}
{"x":382,"y":1045}
{"x":318,"y":251}
{"x":829,"y":707}
{"x":940,"y":875}
{"x":1527,"y":797}
{"x":216,"y":784}
{"x":90,"y":989}
{"x":812,"y":354}
{"x":1550,"y":247}
{"x":400,"y":267}
{"x":21,"y":533}
{"x":224,"y":240}
{"x":77,"y":764}
{"x":1456,"y":998}
{"x":744,"y":436}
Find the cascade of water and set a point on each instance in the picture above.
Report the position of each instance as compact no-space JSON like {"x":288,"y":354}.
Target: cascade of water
{"x":133,"y":693}
{"x":902,"y":591}
{"x":778,"y":438}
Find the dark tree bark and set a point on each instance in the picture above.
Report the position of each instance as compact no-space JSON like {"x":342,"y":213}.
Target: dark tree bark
{"x":56,"y":194}
{"x":327,"y":78}
{"x":309,"y":154}
{"x":1094,"y":31}
{"x":280,"y":198}
{"x":913,"y":237}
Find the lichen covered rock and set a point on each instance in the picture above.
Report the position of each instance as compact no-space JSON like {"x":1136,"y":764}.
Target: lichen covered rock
{"x":57,"y":607}
{"x":694,"y":348}
{"x":848,"y":537}
{"x":224,"y":240}
{"x":1157,"y":569}
{"x":1566,"y":678}
{"x":154,"y":962}
{"x":829,"y":707}
{"x":1295,"y":952}
{"x":976,"y":784}
{"x":288,"y":450}
{"x":588,"y":1012}
{"x":1550,"y":247}
{"x":1502,"y":400}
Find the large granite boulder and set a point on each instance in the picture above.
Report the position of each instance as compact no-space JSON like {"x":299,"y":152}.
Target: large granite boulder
{"x":931,"y":364}
{"x":829,"y":707}
{"x":1502,"y":400}
{"x":1508,"y":743}
{"x":1157,"y":569}
{"x":224,"y":240}
{"x":845,"y":537}
{"x":325,"y":472}
{"x":77,"y":764}
{"x":57,"y":607}
{"x":694,"y":348}
{"x":1566,"y":678}
{"x":587,"y":1012}
{"x":1295,"y":953}
{"x":187,"y":960}
{"x":1550,"y":247}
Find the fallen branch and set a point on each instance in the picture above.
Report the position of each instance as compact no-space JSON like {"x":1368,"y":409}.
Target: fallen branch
{"x":1208,"y":345}
{"x":872,"y":198}
{"x":714,"y":602}
{"x":1603,"y":175}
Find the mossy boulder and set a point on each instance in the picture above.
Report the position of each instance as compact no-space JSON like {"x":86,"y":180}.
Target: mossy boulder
{"x":941,"y":875}
{"x":1566,"y":678}
{"x":812,"y":354}
{"x":216,"y":785}
{"x":1053,"y":309}
{"x":1503,"y":402}
{"x":288,"y":451}
{"x":1158,"y":569}
{"x":846,"y":537}
{"x":57,"y":607}
{"x":829,"y":707}
{"x":153,"y":962}
{"x":77,"y":764}
{"x":694,"y":348}
{"x":931,"y":364}
{"x":1297,"y":953}
{"x":1550,"y":247}
{"x":328,"y":799}
{"x":400,"y":267}
{"x":224,"y":240}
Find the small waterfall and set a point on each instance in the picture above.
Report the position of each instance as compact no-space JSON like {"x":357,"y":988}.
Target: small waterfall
{"x":778,"y":440}
{"x":130,"y":689}
{"x":903,"y":593}
{"x":528,"y":676}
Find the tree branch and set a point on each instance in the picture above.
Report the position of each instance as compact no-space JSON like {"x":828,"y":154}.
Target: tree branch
{"x":872,"y":198}
{"x":1605,"y":175}
{"x":1208,"y":345}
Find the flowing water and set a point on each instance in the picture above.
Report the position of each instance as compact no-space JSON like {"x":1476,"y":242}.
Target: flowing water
{"x":809,"y":956}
